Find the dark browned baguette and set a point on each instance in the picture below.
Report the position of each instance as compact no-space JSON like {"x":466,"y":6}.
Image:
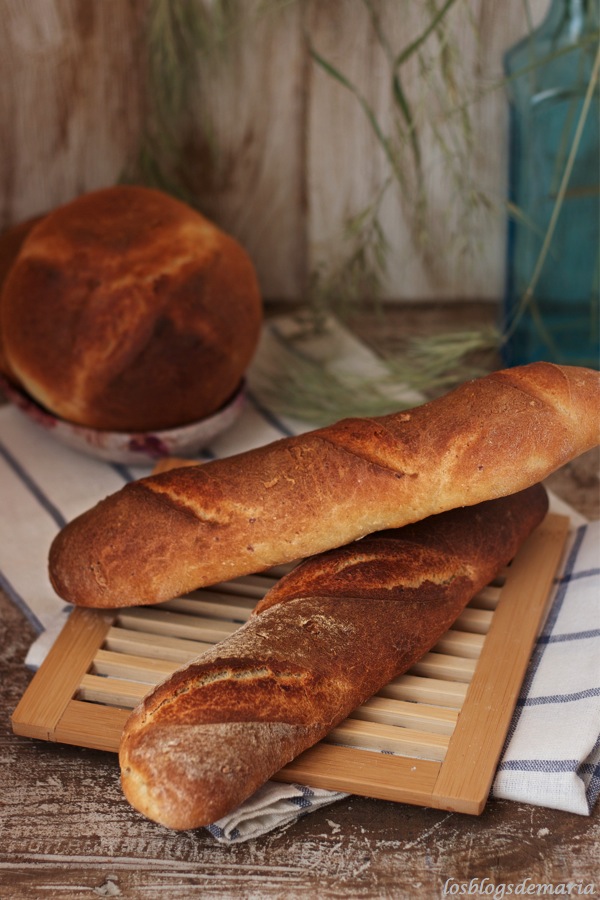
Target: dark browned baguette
{"x":326,"y":638}
{"x":170,"y":533}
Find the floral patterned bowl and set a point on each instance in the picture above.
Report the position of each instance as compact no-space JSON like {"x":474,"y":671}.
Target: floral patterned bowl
{"x":138,"y":448}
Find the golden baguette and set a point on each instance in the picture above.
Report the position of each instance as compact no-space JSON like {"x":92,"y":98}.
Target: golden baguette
{"x":171,"y":533}
{"x":323,"y":640}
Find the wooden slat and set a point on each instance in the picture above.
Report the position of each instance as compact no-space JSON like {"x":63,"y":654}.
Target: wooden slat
{"x":136,"y":668}
{"x":476,"y":621}
{"x":246,"y":586}
{"x":177,"y":624}
{"x":126,"y":640}
{"x":111,"y":691}
{"x":460,"y":643}
{"x":363,"y":772}
{"x":91,"y":725}
{"x":210,"y":603}
{"x":421,"y":744}
{"x":487,"y":598}
{"x":407,"y":715}
{"x":479,"y":736}
{"x":426,"y":690}
{"x":444,"y":667}
{"x":53,"y":685}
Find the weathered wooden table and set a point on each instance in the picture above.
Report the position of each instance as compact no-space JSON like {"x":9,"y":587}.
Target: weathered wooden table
{"x":67,"y":832}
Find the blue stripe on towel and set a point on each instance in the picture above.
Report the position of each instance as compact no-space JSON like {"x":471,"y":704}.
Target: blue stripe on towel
{"x":569,"y":636}
{"x":32,"y":486}
{"x":219,"y":832}
{"x":270,"y":417}
{"x":300,"y":802}
{"x":542,"y":643}
{"x":590,"y":773}
{"x":575,"y":576}
{"x":559,"y":698}
{"x":588,"y":770}
{"x":548,"y":766}
{"x":305,"y":801}
{"x":123,"y":472}
{"x":20,"y":603}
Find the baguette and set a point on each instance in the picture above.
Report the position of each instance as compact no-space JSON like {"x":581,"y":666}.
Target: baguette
{"x":323,"y":640}
{"x":171,"y":533}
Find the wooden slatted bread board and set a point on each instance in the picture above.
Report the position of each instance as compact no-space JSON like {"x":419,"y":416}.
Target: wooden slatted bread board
{"x":432,"y":737}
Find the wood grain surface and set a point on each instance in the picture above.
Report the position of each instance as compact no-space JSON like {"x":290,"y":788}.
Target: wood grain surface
{"x":66,"y":831}
{"x":297,"y":155}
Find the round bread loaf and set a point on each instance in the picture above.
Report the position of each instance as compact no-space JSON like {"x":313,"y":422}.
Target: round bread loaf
{"x":126,"y":310}
{"x":11,"y":242}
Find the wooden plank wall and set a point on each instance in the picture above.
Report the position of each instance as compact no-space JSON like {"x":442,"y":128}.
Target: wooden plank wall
{"x":296,"y":153}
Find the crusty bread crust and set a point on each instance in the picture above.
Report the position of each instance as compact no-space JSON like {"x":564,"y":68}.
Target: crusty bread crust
{"x":327,"y":637}
{"x":170,"y":533}
{"x":127,"y":310}
{"x":11,"y":242}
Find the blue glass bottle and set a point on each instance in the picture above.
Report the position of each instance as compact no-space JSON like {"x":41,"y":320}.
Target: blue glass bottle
{"x":552,"y":281}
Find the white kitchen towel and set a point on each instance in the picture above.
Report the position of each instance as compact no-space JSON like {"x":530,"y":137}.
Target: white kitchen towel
{"x":273,"y":806}
{"x":550,"y":758}
{"x":552,"y":755}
